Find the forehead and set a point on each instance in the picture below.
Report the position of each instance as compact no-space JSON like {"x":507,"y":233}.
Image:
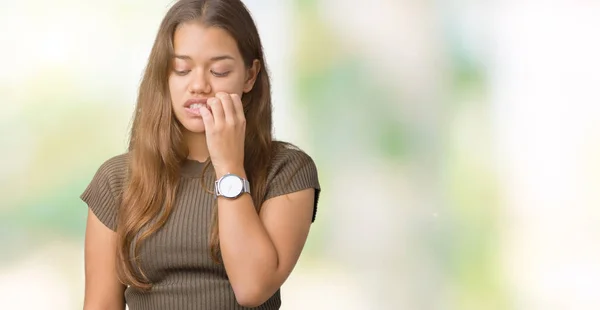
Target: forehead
{"x":197,"y":41}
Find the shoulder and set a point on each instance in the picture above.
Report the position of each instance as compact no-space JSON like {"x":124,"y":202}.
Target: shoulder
{"x":288,"y":155}
{"x":114,"y":171}
{"x":103,"y":193}
{"x":115,"y":165}
{"x":292,"y":170}
{"x":112,"y":174}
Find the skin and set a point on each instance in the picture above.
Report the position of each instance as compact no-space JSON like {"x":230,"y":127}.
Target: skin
{"x":259,"y":250}
{"x":103,"y":290}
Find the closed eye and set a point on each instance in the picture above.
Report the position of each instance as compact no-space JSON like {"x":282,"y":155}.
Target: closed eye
{"x":182,"y":72}
{"x":219,"y":74}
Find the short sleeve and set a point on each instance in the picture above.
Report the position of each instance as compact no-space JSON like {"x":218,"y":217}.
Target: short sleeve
{"x":101,"y":195}
{"x":293,"y":170}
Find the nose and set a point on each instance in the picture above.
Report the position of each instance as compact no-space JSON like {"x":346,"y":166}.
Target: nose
{"x":200,"y":83}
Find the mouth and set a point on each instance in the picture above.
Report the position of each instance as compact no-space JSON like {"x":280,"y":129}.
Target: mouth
{"x":193,"y":106}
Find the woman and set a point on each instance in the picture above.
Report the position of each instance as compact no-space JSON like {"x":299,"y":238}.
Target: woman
{"x":205,"y":210}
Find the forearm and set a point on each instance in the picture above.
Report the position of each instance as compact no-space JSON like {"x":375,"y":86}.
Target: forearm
{"x":249,"y":255}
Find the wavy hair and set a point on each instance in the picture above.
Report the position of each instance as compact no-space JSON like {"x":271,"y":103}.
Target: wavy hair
{"x":156,"y":146}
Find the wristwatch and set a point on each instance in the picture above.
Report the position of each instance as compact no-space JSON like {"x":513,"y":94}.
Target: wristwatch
{"x":231,"y":186}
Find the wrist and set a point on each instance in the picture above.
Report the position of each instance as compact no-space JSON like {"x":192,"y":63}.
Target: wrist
{"x":235,"y":169}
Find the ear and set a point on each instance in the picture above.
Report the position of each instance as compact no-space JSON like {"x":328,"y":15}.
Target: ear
{"x":251,"y":75}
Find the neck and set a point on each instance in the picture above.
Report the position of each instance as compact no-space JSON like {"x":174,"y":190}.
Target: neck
{"x":196,"y":143}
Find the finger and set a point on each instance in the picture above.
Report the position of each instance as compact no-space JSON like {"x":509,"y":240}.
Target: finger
{"x":217,"y":111}
{"x":239,"y":107}
{"x":228,"y":109}
{"x":207,"y":118}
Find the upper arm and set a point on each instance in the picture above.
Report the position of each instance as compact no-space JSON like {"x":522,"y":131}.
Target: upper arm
{"x":287,"y":220}
{"x":103,"y":290}
{"x":290,"y":207}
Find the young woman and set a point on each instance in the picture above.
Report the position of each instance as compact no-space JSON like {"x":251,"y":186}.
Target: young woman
{"x":205,"y":210}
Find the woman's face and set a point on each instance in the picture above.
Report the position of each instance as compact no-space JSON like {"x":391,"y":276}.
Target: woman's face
{"x":206,"y":61}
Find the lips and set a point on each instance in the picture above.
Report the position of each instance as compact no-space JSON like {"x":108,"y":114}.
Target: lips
{"x":192,"y":106}
{"x":190,"y":102}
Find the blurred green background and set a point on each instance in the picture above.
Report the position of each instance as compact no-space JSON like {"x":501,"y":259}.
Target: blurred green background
{"x":457,"y":144}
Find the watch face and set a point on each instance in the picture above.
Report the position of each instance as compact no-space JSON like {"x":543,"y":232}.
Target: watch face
{"x":231,"y":186}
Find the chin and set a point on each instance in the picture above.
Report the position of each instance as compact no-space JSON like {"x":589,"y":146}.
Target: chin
{"x":195,"y":129}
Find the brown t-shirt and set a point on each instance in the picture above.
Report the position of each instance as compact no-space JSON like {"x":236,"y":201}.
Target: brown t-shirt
{"x":176,"y":259}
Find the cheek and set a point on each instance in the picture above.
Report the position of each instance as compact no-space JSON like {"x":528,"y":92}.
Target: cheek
{"x":231,"y":85}
{"x":176,"y":90}
{"x":175,"y":84}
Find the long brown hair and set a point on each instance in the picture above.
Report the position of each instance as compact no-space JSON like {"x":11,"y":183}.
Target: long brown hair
{"x":156,"y":144}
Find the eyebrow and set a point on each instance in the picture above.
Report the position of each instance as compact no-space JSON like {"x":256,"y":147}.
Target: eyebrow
{"x":212,"y":59}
